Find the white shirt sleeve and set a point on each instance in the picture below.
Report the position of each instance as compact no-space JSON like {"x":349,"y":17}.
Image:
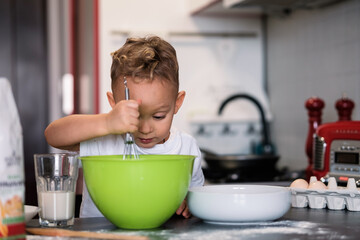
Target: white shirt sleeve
{"x":197,"y":174}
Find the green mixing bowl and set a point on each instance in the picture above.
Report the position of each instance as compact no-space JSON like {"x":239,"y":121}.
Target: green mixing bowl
{"x":138,"y":194}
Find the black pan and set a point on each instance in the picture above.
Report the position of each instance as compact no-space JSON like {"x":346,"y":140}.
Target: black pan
{"x":234,"y":162}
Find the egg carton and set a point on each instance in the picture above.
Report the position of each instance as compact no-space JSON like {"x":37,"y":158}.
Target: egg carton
{"x":334,"y":199}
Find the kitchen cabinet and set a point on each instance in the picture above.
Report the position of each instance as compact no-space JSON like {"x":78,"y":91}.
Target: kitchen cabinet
{"x":254,"y":7}
{"x":220,"y":7}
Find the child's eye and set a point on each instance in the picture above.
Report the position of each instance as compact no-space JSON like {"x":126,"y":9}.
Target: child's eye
{"x":159,"y":117}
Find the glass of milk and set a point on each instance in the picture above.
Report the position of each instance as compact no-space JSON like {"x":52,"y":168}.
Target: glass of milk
{"x":56,"y":176}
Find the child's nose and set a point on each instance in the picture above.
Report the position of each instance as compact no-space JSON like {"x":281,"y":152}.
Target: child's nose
{"x":145,"y":127}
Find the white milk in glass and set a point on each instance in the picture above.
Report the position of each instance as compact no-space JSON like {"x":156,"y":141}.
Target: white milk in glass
{"x":59,"y":205}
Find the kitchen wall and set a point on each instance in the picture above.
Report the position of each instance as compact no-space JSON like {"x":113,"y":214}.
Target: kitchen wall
{"x":211,"y":67}
{"x":311,"y":53}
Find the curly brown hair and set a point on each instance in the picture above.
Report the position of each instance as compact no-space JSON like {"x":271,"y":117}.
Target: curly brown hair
{"x":145,"y":58}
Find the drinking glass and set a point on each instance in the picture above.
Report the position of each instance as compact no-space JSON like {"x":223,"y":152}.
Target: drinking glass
{"x":56,"y":176}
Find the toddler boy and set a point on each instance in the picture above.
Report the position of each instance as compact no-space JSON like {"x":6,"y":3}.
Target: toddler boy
{"x":151,"y":69}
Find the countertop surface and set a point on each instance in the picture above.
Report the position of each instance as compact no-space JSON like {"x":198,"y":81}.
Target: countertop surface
{"x":297,"y":223}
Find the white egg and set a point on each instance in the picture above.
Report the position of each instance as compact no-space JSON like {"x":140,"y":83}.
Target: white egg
{"x":351,"y":184}
{"x":318,"y":185}
{"x":332,"y":184}
{"x":299,"y":183}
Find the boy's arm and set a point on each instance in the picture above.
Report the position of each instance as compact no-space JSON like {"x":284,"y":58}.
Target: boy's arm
{"x":67,"y":133}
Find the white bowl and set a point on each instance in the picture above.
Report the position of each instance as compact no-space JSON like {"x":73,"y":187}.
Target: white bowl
{"x":30,"y":212}
{"x":236,"y":204}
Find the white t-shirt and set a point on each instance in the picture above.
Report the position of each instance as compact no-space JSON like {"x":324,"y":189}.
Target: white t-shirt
{"x":178,"y":143}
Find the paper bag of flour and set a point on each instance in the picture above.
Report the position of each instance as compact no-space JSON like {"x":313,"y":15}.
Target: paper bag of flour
{"x":12,"y":186}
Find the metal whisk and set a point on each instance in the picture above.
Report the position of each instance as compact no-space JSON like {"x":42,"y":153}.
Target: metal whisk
{"x":130,"y":149}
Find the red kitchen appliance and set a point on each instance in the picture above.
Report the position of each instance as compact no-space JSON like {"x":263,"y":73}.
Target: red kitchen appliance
{"x":332,"y":148}
{"x":336,"y":151}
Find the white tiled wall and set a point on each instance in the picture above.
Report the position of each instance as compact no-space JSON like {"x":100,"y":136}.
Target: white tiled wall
{"x":311,"y":53}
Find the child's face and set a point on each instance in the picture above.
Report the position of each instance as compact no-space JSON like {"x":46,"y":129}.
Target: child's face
{"x":159,"y":103}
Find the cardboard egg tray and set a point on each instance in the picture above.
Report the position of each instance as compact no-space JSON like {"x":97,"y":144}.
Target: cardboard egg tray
{"x":334,"y":199}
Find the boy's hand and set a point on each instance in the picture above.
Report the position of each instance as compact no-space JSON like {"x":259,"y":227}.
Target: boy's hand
{"x":184,"y":210}
{"x":124,"y":117}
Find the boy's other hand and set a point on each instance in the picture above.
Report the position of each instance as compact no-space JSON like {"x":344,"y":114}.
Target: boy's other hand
{"x":183,"y":210}
{"x":124,"y":117}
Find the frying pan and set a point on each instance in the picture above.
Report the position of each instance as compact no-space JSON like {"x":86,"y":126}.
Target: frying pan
{"x":236,"y":161}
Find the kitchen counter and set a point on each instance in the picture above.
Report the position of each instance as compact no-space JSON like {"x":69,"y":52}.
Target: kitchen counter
{"x":297,"y":223}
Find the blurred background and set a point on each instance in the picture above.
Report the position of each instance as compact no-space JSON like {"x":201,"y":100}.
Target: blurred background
{"x":56,"y":54}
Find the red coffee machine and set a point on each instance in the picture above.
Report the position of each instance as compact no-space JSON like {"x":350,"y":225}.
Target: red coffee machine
{"x":333,"y":149}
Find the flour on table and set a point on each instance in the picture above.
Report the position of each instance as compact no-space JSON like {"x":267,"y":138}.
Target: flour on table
{"x":265,"y":230}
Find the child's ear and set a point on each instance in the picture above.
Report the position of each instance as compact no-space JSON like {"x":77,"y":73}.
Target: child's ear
{"x":111,"y":99}
{"x":179,"y":101}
